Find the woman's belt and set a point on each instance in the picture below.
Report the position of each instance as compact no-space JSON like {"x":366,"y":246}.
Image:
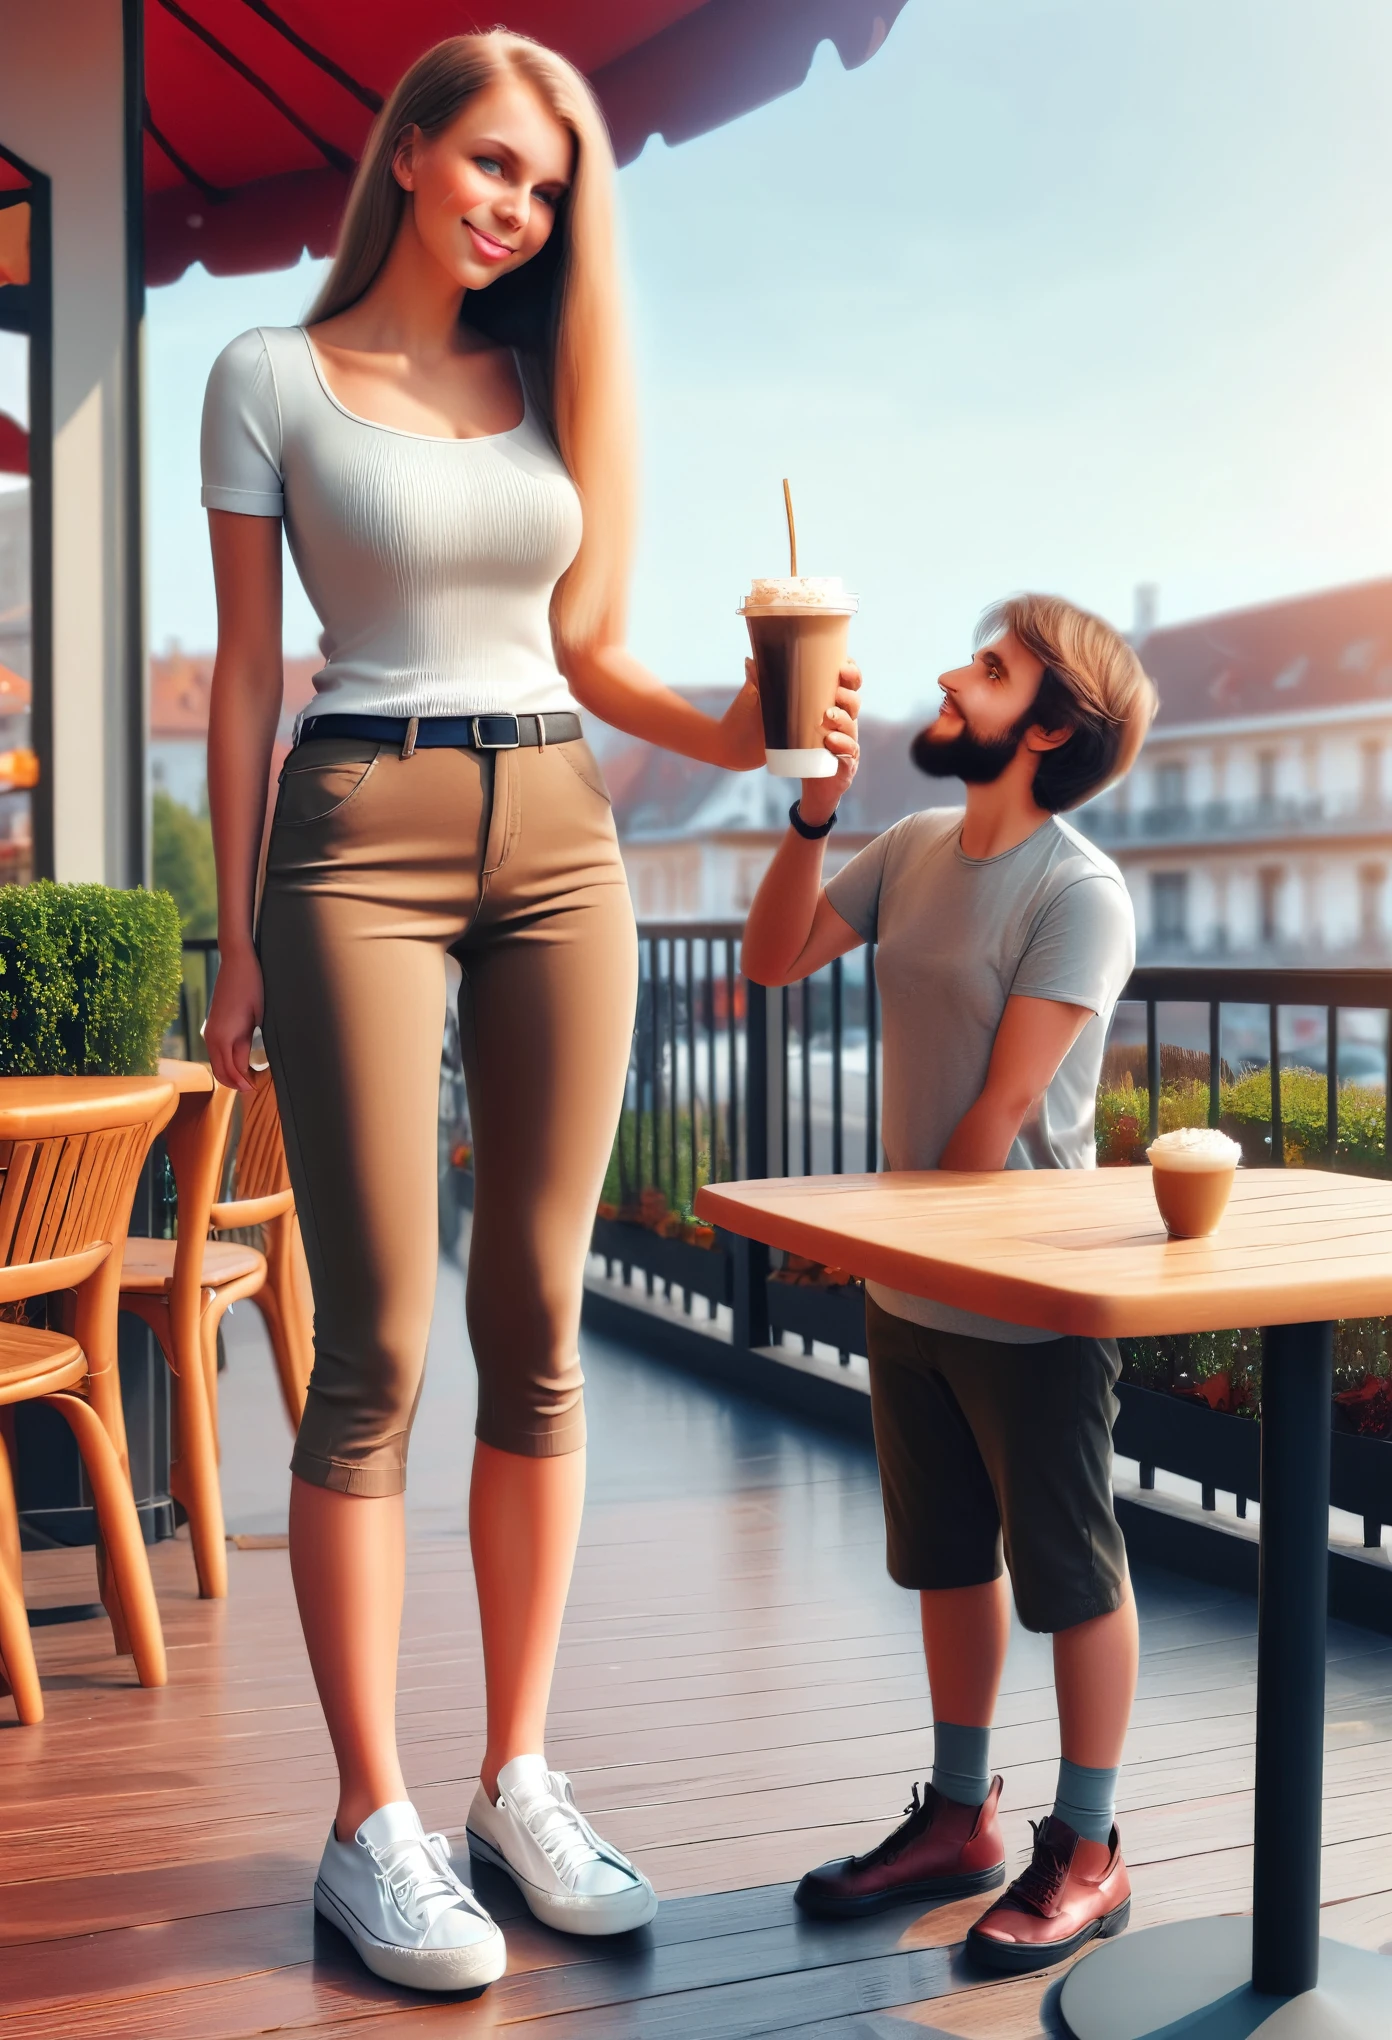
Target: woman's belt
{"x":449,"y":732}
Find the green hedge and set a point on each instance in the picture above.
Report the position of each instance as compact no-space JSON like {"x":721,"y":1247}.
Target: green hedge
{"x":182,"y":847}
{"x":89,"y":979}
{"x":1123,"y":1118}
{"x":635,"y":1137}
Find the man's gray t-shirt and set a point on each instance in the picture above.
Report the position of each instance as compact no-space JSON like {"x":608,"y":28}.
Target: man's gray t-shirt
{"x":957,"y":936}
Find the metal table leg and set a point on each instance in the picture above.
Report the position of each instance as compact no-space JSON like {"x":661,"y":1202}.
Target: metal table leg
{"x":1231,"y":1978}
{"x":1292,"y":1616}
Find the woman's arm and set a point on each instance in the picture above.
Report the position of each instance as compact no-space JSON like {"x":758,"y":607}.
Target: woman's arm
{"x":1032,"y":1040}
{"x":248,"y":684}
{"x":619,"y":689}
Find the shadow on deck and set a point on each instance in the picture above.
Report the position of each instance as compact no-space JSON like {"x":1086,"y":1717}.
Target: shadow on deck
{"x":740,"y":1694}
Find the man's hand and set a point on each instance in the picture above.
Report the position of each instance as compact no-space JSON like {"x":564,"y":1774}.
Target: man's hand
{"x":820,"y":798}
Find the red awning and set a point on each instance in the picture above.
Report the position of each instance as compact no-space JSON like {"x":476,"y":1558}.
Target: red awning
{"x":256,"y":111}
{"x":14,"y":450}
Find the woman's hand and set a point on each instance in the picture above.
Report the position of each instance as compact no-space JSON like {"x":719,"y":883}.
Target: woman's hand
{"x":820,"y":798}
{"x":233,"y":1017}
{"x":740,"y":731}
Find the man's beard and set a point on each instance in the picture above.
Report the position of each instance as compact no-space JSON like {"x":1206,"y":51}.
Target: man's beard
{"x":978,"y":761}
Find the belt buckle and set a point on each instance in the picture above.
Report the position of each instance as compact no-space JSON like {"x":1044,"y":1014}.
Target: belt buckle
{"x":502,"y":716}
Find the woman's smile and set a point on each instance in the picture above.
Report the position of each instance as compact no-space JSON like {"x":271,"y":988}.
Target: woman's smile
{"x":491,"y":249}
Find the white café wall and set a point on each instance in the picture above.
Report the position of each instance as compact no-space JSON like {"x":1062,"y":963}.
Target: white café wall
{"x":63,"y":109}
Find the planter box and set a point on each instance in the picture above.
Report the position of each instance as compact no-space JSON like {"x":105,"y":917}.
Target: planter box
{"x":1360,"y":1476}
{"x":700,"y":1271}
{"x":836,"y":1317}
{"x":1189,"y":1439}
{"x":1224,"y":1452}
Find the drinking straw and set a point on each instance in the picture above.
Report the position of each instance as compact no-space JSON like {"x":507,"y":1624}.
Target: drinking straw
{"x":792,"y":528}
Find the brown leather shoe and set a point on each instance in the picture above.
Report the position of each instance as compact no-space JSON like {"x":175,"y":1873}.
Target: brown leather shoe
{"x":942,"y":1850}
{"x":1071,"y":1892}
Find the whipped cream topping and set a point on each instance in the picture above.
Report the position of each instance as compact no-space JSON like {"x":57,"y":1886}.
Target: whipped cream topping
{"x":1194,"y":1148}
{"x":800,"y":591}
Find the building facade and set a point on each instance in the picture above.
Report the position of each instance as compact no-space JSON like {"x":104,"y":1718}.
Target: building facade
{"x":1257,"y":823}
{"x":181,"y":685}
{"x":696,"y":841}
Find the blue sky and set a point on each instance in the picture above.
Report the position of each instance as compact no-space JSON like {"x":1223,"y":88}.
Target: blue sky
{"x":1052,"y":293}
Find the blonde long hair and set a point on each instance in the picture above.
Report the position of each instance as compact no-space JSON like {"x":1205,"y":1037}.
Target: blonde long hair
{"x":562,"y":310}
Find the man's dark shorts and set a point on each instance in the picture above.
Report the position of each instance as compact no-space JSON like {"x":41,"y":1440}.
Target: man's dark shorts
{"x":987,"y":1450}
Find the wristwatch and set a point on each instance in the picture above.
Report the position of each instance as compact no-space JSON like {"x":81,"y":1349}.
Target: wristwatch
{"x":812,"y":832}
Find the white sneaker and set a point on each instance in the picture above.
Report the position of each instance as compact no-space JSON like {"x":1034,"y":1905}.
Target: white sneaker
{"x":568,"y":1876}
{"x":392,"y":1892}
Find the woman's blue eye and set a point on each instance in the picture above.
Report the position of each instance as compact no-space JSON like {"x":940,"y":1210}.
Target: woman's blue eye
{"x":490,"y":164}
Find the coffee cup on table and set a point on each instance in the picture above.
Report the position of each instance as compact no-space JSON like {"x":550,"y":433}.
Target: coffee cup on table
{"x":798,"y":627}
{"x":1192,"y":1172}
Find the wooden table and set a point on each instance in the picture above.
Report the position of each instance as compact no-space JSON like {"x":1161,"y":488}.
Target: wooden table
{"x":190,"y":1079}
{"x":1085,"y":1252}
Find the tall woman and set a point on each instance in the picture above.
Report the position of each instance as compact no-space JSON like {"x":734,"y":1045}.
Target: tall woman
{"x":447,"y":443}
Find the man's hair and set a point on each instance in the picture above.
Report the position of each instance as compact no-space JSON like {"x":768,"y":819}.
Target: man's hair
{"x":1093,"y":684}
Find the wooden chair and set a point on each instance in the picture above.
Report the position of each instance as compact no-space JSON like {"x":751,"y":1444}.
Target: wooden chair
{"x":183,"y":1287}
{"x":71,"y":1152}
{"x":259,"y":1194}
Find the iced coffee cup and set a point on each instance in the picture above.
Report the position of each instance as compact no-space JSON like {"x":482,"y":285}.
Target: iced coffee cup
{"x":1192,"y":1171}
{"x":798,"y":628}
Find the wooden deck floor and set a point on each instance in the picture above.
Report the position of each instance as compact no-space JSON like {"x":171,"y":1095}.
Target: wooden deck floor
{"x":740,"y":1695}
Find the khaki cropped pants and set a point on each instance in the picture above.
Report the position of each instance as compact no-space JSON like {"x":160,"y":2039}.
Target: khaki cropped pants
{"x":379,"y":867}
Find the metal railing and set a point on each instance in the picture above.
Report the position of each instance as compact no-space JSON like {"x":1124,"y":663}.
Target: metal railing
{"x":728,"y":1080}
{"x":809,"y":1055}
{"x":788,"y":1082}
{"x":195,"y":991}
{"x":1327,"y":994}
{"x":684,"y":1120}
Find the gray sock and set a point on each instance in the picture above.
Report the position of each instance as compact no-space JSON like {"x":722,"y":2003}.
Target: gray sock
{"x":1086,"y":1800}
{"x":960,"y":1762}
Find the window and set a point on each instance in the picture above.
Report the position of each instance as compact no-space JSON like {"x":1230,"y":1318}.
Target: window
{"x":25,"y":438}
{"x":1171,"y":786}
{"x":1266,"y":778}
{"x":1370,"y":783}
{"x":1169,"y":907}
{"x":1372,"y":890}
{"x":1269,"y":882}
{"x":1218,"y":933}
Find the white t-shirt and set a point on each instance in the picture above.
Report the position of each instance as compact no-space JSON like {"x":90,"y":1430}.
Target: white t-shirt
{"x":958,"y":936}
{"x":430,"y":562}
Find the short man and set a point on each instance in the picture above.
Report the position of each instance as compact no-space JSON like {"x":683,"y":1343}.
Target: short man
{"x":1004,"y":940}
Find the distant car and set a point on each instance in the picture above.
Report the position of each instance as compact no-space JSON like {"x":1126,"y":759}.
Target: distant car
{"x":1360,"y":1062}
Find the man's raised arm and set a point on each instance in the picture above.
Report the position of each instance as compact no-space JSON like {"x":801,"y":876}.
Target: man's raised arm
{"x":793,"y":929}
